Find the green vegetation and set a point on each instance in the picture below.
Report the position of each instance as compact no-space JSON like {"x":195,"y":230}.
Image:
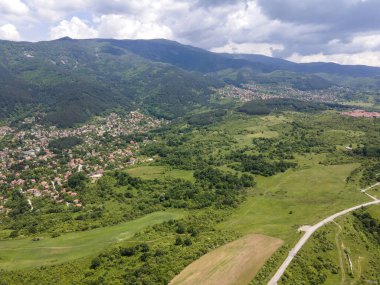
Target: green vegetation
{"x":61,"y":144}
{"x":370,"y":224}
{"x":281,"y":204}
{"x":218,"y":171}
{"x":151,"y":257}
{"x":160,"y":172}
{"x":237,"y":175}
{"x":45,"y":250}
{"x":265,"y":107}
{"x":72,"y":81}
{"x":18,"y":204}
{"x":206,"y":118}
{"x":343,"y":252}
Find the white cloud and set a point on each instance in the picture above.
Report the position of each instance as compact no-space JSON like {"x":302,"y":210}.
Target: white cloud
{"x":358,"y":43}
{"x":9,"y":32}
{"x":258,"y":48}
{"x":269,"y":27}
{"x":129,"y":27}
{"x":14,"y":7}
{"x":371,"y":58}
{"x":75,"y":28}
{"x":54,"y":10}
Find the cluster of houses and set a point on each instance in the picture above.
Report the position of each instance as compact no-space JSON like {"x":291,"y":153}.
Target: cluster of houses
{"x":253,"y":91}
{"x":236,"y":93}
{"x":29,"y":150}
{"x":4,"y":130}
{"x":3,"y":201}
{"x":361,"y":114}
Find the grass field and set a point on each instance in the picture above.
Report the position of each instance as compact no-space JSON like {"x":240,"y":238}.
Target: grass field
{"x":244,"y":128}
{"x":280,"y":204}
{"x":232,"y":264}
{"x":160,"y":172}
{"x":24,"y":253}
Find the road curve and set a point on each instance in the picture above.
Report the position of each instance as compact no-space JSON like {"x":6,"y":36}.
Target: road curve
{"x":307,"y":235}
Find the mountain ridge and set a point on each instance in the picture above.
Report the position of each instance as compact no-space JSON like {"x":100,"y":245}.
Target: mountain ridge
{"x":71,"y":79}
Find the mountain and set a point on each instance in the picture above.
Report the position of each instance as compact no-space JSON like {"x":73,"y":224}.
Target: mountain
{"x":313,"y":67}
{"x":186,"y":57}
{"x":72,"y":80}
{"x":196,"y":59}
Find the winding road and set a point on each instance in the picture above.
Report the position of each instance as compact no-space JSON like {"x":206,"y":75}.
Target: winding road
{"x":309,"y":232}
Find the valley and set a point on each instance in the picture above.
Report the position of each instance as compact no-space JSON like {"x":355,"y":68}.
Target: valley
{"x":119,"y":166}
{"x":320,"y":171}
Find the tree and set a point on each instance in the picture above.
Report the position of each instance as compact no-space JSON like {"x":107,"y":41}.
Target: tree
{"x":95,"y":263}
{"x":18,"y":203}
{"x":187,"y":241}
{"x":77,"y":180}
{"x":178,"y":240}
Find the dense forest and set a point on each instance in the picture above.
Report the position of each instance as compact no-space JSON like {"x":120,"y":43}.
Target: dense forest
{"x":264,"y":107}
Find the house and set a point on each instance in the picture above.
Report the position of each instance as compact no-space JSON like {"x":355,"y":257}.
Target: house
{"x":95,"y":176}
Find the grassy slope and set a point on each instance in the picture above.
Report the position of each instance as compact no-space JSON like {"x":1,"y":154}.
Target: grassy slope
{"x":267,"y":207}
{"x":311,"y":194}
{"x":24,"y":253}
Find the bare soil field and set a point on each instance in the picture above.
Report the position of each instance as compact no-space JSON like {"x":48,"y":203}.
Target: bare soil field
{"x":235,"y":263}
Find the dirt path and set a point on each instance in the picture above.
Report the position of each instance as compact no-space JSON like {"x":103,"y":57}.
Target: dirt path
{"x":338,"y":246}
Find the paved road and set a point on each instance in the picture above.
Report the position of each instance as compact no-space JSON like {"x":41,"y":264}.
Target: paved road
{"x":309,"y":233}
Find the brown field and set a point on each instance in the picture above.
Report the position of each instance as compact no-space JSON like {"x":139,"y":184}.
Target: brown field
{"x":235,"y":263}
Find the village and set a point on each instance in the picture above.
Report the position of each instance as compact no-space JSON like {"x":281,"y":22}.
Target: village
{"x":361,"y":114}
{"x":29,"y":166}
{"x":252,"y":91}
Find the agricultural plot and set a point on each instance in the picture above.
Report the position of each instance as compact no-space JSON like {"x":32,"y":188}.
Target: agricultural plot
{"x":234,"y":263}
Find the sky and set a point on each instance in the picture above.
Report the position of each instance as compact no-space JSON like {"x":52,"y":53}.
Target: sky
{"x":342,"y":31}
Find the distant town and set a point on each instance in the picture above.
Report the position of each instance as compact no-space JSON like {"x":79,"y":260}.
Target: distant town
{"x":252,"y":91}
{"x":361,"y":114}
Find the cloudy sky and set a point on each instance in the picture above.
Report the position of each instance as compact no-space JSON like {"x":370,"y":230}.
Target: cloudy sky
{"x":343,"y":31}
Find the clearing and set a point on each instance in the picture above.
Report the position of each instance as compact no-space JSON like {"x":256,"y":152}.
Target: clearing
{"x":280,"y":204}
{"x":160,"y":172}
{"x":234,"y":263}
{"x":24,"y":253}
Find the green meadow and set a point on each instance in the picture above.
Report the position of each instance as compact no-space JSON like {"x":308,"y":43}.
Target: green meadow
{"x":280,"y":204}
{"x":24,"y":253}
{"x":160,"y":172}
